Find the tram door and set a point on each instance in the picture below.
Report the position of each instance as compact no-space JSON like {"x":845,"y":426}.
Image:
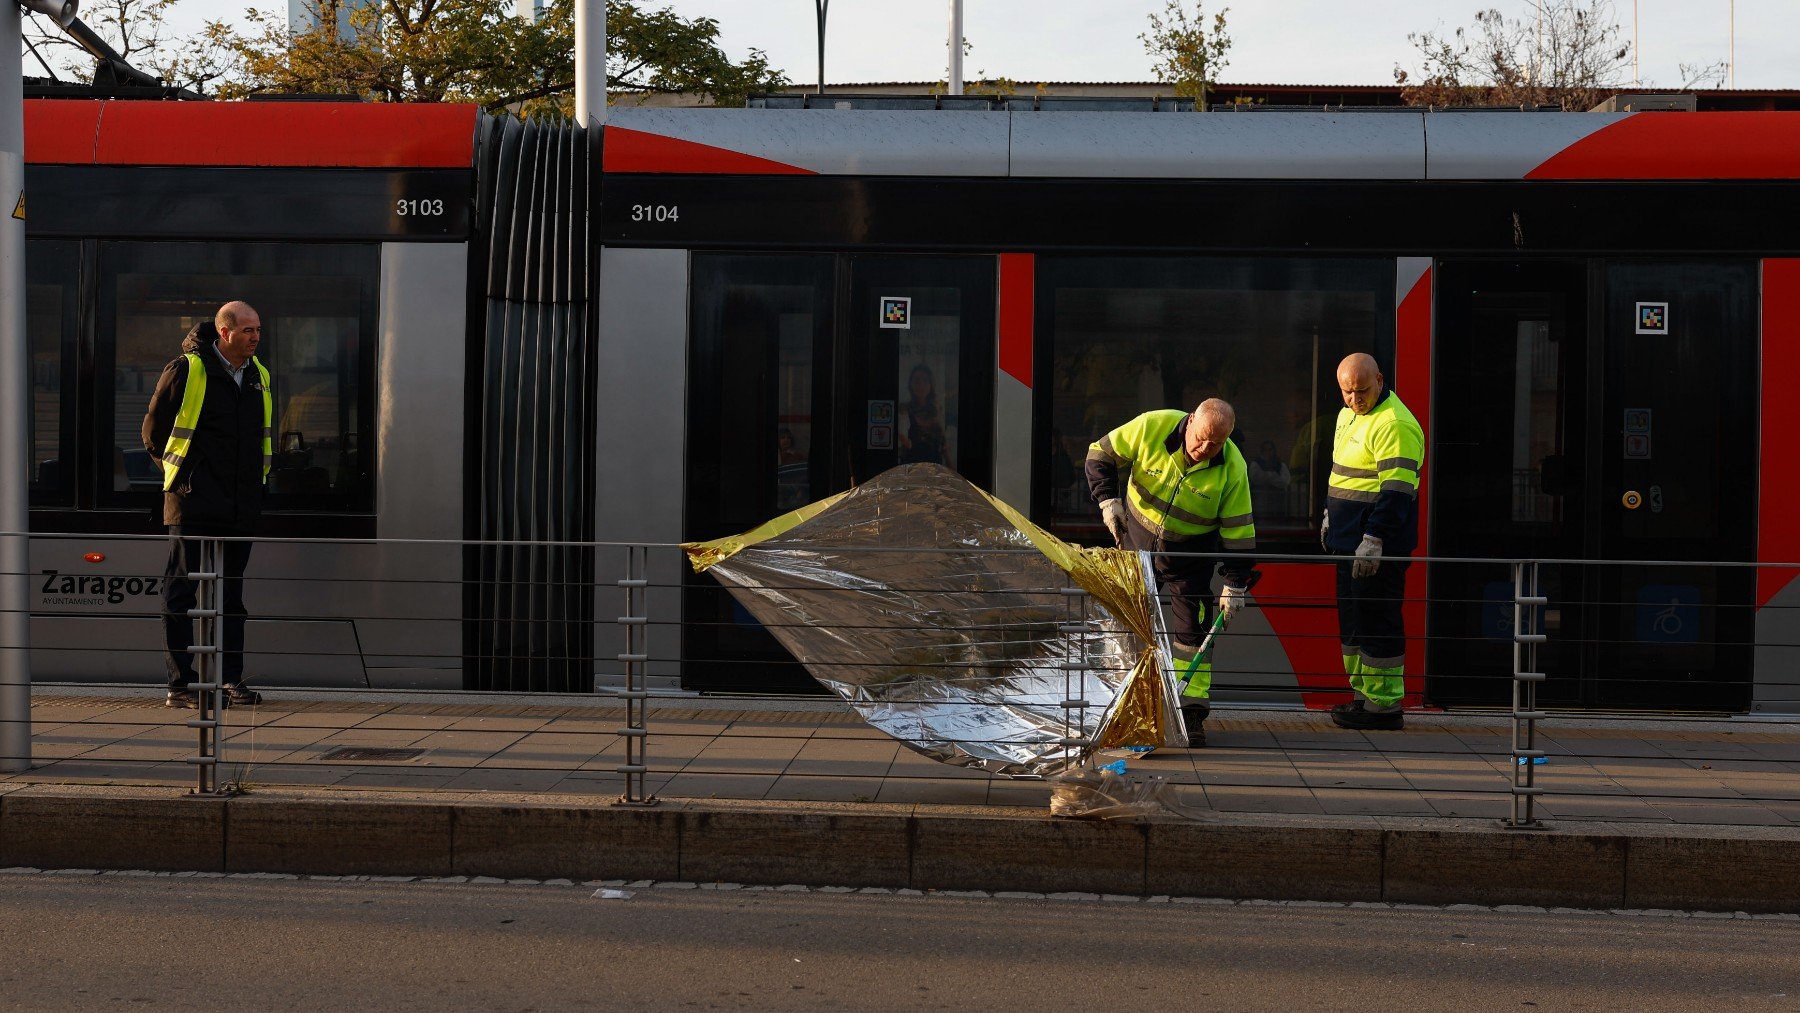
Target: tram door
{"x":1601,"y":411}
{"x":808,"y":374}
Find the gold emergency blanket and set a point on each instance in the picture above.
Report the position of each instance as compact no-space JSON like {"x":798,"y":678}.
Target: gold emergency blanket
{"x":942,"y":615}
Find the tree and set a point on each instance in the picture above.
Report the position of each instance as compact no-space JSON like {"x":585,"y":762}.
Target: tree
{"x":981,"y":83}
{"x":1565,"y":53}
{"x":138,"y":31}
{"x":478,"y":51}
{"x":657,"y":51}
{"x":1186,"y":52}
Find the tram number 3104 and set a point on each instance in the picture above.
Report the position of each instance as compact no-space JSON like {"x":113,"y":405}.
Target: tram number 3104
{"x":655,"y":213}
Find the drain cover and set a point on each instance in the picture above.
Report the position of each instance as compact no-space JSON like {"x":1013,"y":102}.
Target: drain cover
{"x":371,"y":753}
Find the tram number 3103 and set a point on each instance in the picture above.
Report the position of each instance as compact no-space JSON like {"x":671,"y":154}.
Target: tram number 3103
{"x":409,"y":207}
{"x":655,"y":213}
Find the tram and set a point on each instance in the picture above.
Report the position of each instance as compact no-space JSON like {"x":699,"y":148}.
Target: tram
{"x":1576,"y":307}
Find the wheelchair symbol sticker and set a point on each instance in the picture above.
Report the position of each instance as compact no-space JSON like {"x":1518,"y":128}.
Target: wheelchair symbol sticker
{"x":1668,"y":614}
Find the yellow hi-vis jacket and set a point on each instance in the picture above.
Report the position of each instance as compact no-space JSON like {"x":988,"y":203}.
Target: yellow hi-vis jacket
{"x":1166,"y":494}
{"x":1374,"y":488}
{"x":193,"y":395}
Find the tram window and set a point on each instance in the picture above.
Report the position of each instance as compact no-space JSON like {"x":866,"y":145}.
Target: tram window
{"x":1128,"y":335}
{"x":317,"y":308}
{"x":52,"y":269}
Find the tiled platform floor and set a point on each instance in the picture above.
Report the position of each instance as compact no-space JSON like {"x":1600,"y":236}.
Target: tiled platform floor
{"x":1703,"y":772}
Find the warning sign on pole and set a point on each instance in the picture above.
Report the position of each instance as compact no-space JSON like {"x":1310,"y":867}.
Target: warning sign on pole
{"x":19,"y":208}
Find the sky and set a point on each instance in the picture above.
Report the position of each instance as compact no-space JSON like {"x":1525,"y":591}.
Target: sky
{"x":1273,"y":41}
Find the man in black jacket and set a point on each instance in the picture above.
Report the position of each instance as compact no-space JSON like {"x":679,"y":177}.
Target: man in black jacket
{"x":209,"y":427}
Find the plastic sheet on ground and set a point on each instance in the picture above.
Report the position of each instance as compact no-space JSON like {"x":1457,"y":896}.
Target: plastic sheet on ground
{"x":940,"y":614}
{"x":1097,"y":793}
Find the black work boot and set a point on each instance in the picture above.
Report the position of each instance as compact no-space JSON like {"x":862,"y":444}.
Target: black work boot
{"x":1357,"y":715}
{"x":237,"y":693}
{"x":1193,"y":715}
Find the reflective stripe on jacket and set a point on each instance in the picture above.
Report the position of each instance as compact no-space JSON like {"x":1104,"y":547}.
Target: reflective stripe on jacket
{"x":193,"y":396}
{"x":1374,"y":487}
{"x":1164,"y":492}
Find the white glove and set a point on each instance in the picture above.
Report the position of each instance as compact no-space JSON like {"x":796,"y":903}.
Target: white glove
{"x":1231,"y":599}
{"x":1113,"y":513}
{"x":1324,"y":526}
{"x":1367,"y":557}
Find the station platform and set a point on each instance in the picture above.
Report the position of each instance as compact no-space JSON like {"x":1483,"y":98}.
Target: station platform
{"x":1671,"y":815}
{"x":1721,"y":773}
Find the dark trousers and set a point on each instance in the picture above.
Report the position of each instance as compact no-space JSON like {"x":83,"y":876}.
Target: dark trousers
{"x":179,"y":594}
{"x":1188,"y":585}
{"x":1369,"y":617}
{"x":1185,"y":580}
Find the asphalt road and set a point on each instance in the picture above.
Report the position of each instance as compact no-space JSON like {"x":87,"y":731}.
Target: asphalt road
{"x":89,"y":941}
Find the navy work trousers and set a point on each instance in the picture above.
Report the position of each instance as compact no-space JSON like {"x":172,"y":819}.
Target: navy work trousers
{"x":1370,"y":623}
{"x":179,"y":593}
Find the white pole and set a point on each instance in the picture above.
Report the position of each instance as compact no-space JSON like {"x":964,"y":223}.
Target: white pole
{"x":956,"y":37}
{"x":590,"y":62}
{"x":15,"y":408}
{"x":1733,"y":45}
{"x":1637,"y":80}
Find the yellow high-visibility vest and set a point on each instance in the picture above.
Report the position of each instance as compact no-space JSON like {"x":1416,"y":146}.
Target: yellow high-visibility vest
{"x":1174,"y":497}
{"x":181,"y":436}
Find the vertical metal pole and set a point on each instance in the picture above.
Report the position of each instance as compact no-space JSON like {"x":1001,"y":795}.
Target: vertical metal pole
{"x":1075,"y":662}
{"x":1637,"y":80}
{"x":636,"y":655}
{"x":590,"y":62}
{"x":821,"y":8}
{"x":208,"y":651}
{"x":1527,"y":621}
{"x":15,"y":403}
{"x":956,"y":47}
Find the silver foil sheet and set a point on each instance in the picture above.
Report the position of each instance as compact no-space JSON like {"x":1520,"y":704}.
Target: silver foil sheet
{"x":947,"y":620}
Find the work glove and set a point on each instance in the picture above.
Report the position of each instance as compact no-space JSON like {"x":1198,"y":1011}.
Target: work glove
{"x":1367,"y":558}
{"x":1324,"y":526}
{"x":1112,"y":511}
{"x":1231,"y":599}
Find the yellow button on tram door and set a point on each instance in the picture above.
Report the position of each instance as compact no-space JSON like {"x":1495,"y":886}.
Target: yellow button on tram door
{"x":1632,"y":500}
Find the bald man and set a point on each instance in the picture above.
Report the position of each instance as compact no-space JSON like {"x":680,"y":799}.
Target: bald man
{"x":1186,"y":490}
{"x":209,"y":427}
{"x":1372,"y":516}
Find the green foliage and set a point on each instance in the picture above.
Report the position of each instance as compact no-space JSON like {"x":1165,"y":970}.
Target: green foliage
{"x":1185,"y":50}
{"x":478,"y":51}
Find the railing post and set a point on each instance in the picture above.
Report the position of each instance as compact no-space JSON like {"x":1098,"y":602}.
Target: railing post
{"x":636,"y":655}
{"x":208,"y":651}
{"x":1527,"y":623}
{"x":1075,"y":702}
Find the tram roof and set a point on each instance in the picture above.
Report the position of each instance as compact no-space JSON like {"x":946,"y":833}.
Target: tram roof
{"x":1394,"y":145}
{"x":1409,"y":145}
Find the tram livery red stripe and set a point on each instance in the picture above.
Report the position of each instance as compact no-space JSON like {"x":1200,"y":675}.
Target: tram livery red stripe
{"x":1777,"y":538}
{"x":378,"y":135}
{"x":61,"y":132}
{"x":1412,"y":377}
{"x":630,"y":150}
{"x":1721,"y":145}
{"x":1018,"y":295}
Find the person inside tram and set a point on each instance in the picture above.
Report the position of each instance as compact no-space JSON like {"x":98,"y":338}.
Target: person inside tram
{"x":922,"y":439}
{"x":792,"y":479}
{"x":1172,"y":483}
{"x":1268,"y":473}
